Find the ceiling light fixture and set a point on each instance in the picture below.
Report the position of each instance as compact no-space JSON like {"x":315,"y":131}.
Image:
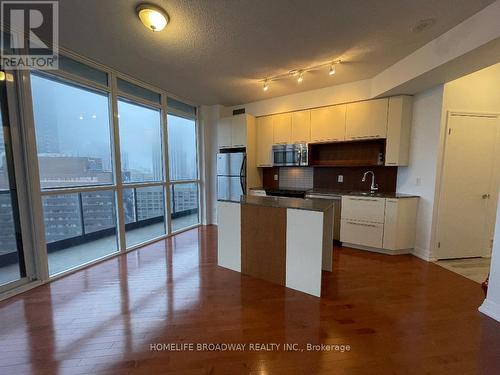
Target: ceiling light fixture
{"x":299,"y":73}
{"x":266,"y":85}
{"x":301,"y":77}
{"x":152,"y":16}
{"x":332,"y":69}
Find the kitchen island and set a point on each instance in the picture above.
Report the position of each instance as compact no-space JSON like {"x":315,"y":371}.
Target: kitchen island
{"x":287,"y":241}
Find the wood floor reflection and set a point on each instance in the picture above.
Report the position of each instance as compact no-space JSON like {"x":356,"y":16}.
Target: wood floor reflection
{"x":397,"y":314}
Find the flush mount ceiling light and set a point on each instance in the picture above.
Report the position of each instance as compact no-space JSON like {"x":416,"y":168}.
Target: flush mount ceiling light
{"x":299,"y":73}
{"x":152,"y":16}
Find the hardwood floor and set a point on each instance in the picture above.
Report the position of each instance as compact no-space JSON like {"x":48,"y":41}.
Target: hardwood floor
{"x":399,"y":315}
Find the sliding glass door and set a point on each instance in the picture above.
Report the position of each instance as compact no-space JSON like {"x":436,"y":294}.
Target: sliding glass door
{"x":12,"y":261}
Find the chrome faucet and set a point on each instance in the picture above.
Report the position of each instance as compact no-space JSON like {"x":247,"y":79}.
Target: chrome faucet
{"x":374,"y":186}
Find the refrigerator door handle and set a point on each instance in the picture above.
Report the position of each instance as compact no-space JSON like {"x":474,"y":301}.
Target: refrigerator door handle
{"x":242,"y":174}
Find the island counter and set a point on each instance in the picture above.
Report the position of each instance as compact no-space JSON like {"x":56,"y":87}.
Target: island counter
{"x":287,"y":241}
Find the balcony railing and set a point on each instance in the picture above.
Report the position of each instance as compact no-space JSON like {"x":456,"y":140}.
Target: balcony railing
{"x":84,"y":215}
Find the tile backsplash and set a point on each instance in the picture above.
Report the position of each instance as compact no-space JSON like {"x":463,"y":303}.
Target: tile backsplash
{"x":296,"y":178}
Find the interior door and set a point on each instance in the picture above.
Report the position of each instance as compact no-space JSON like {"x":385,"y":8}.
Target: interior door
{"x":468,"y":187}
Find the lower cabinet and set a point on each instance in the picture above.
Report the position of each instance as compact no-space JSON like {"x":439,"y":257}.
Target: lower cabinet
{"x":385,"y":224}
{"x":361,"y":233}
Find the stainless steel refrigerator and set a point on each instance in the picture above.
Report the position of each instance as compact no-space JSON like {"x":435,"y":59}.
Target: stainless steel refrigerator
{"x":231,"y":176}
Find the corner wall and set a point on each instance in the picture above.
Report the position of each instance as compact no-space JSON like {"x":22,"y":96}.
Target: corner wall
{"x":419,"y":177}
{"x":491,"y":305}
{"x":209,"y":117}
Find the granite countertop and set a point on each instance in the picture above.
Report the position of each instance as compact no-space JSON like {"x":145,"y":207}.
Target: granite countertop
{"x":340,"y":193}
{"x":311,"y":204}
{"x":378,"y":194}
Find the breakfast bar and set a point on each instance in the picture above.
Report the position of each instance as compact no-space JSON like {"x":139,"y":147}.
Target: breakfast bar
{"x":287,"y":241}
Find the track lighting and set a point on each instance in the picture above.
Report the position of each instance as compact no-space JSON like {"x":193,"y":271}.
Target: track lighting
{"x":266,"y":85}
{"x":299,"y":73}
{"x":301,"y":77}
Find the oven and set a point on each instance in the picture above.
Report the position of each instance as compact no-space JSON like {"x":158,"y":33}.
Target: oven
{"x":291,"y":155}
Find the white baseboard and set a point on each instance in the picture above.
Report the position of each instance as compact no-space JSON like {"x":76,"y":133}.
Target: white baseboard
{"x":491,"y":309}
{"x":376,"y":250}
{"x":422,"y":254}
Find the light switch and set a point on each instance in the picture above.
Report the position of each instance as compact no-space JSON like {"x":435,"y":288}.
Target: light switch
{"x":418,"y":181}
{"x":275,"y":177}
{"x":340,"y":178}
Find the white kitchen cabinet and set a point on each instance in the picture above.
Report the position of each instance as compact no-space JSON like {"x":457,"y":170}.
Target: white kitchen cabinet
{"x":359,"y":208}
{"x":282,"y":128}
{"x":301,"y":127}
{"x":380,"y":224}
{"x":399,"y":223}
{"x":361,"y":233}
{"x":239,"y":131}
{"x":232,"y":131}
{"x":224,"y":132}
{"x":367,"y":120}
{"x":264,"y":141}
{"x":328,"y":124}
{"x":397,"y":148}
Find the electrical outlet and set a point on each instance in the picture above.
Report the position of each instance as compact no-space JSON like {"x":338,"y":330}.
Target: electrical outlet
{"x":340,"y":178}
{"x":418,"y":181}
{"x":275,"y":177}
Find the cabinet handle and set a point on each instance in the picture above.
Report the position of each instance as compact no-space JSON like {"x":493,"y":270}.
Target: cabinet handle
{"x":362,"y":224}
{"x":363,"y":199}
{"x":239,"y":145}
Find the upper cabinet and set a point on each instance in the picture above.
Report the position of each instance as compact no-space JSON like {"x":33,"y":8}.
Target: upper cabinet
{"x":282,"y":125}
{"x":232,"y":131}
{"x":328,"y":124}
{"x":384,"y":125}
{"x":224,"y":132}
{"x":264,"y":141}
{"x":397,"y":147}
{"x":365,"y":120}
{"x":301,"y":127}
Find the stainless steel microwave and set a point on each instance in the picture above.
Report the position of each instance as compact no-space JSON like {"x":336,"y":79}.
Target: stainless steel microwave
{"x":292,"y":155}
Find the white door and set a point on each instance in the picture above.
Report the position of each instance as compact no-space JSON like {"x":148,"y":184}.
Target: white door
{"x":469,"y":187}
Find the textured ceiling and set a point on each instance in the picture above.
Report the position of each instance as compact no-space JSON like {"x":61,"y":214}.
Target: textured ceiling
{"x":216,"y":51}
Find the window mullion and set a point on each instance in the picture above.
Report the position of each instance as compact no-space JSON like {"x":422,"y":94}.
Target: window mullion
{"x":114,"y":118}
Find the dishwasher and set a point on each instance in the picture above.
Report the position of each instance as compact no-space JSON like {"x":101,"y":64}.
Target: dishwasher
{"x":337,"y":208}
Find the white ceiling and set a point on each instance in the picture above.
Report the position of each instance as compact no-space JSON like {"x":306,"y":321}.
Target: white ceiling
{"x":216,"y":51}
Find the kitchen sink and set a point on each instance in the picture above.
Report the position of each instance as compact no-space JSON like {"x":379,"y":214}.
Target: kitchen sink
{"x":365,"y":193}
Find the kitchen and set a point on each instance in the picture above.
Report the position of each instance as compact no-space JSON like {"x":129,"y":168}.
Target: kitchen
{"x":346,"y":154}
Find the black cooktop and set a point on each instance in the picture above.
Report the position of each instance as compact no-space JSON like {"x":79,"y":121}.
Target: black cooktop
{"x":292,"y":193}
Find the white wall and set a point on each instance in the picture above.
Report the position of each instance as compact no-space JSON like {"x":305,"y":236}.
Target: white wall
{"x":208,"y":119}
{"x":491,"y":305}
{"x":419,"y":177}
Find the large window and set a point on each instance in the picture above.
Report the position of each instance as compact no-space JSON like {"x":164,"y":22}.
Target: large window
{"x":72,"y":134}
{"x":73,"y":137}
{"x":140,"y":143}
{"x":142,"y":163}
{"x":12,"y":265}
{"x":88,"y":122}
{"x":183,"y":165}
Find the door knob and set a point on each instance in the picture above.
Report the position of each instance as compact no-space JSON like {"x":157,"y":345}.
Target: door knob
{"x":486,"y":196}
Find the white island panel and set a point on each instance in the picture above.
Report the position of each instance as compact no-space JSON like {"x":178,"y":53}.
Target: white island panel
{"x":229,"y":238}
{"x":304,"y":250}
